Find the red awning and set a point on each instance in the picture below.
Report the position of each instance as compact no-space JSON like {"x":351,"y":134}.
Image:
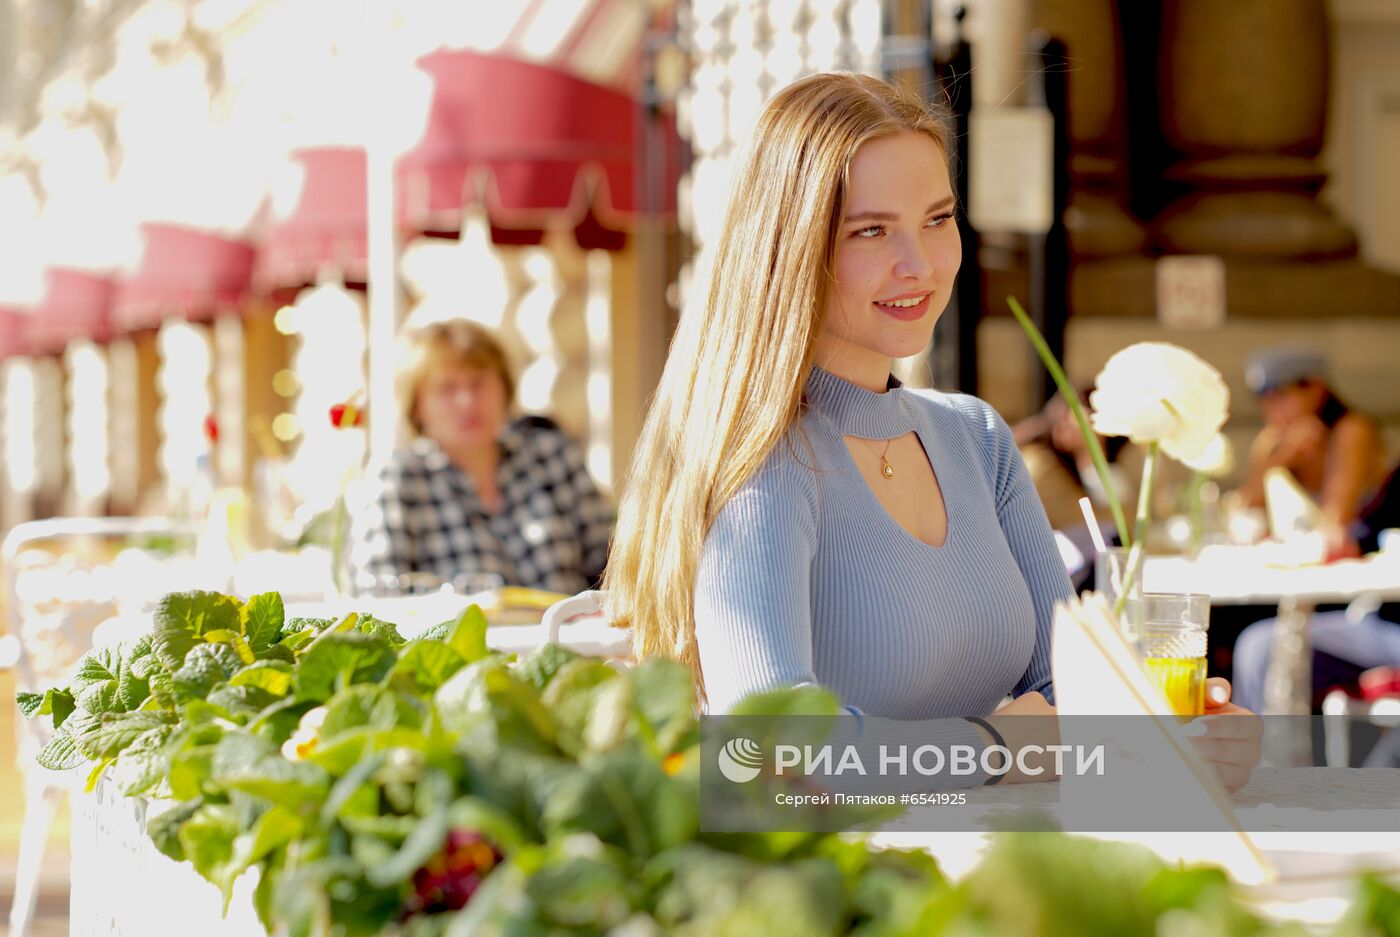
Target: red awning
{"x":184,"y":272}
{"x":537,"y":147}
{"x":327,"y":227}
{"x":14,"y":332}
{"x":76,"y":304}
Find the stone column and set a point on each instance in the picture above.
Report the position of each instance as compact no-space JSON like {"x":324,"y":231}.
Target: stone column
{"x":1244,"y":105}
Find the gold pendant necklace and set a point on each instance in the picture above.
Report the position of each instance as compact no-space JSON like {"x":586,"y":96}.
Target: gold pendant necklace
{"x":886,"y":469}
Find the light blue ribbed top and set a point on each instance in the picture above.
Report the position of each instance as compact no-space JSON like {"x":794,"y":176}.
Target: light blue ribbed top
{"x":805,"y":578}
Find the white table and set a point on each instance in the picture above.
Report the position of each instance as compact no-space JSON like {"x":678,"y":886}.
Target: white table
{"x":414,"y":614}
{"x":1269,"y":574}
{"x":1314,"y":873}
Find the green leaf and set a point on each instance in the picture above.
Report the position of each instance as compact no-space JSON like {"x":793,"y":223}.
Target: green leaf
{"x":62,"y":704}
{"x":274,"y":676}
{"x":262,"y":622}
{"x":61,"y":752}
{"x":664,"y":702}
{"x":132,"y":690}
{"x":207,"y":841}
{"x":162,"y":686}
{"x":573,"y":695}
{"x":280,"y":652}
{"x":205,"y":667}
{"x":190,"y":770}
{"x":467,"y":636}
{"x":30,"y":704}
{"x":163,"y":828}
{"x":487,"y":690}
{"x":586,"y":892}
{"x":144,"y":762}
{"x":422,"y":844}
{"x":274,"y":829}
{"x":56,"y":702}
{"x":427,"y":665}
{"x":540,"y":667}
{"x":255,"y":766}
{"x":99,"y":698}
{"x":354,"y":707}
{"x":346,"y":792}
{"x":100,"y":665}
{"x":141,"y":657}
{"x":234,"y":640}
{"x":182,"y":618}
{"x":379,"y":628}
{"x":242,"y":702}
{"x":335,"y":659}
{"x":295,"y":640}
{"x":96,"y":773}
{"x":474,"y":813}
{"x":117,"y":732}
{"x":301,"y":623}
{"x":437,"y":632}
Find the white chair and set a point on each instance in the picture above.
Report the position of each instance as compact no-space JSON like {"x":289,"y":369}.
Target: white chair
{"x":1340,"y":709}
{"x":49,"y":631}
{"x":580,"y":623}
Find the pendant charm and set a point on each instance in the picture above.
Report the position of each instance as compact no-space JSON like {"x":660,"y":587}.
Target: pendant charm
{"x":886,"y":469}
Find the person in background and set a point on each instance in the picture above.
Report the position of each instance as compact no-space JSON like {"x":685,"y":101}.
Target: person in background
{"x":475,"y":491}
{"x":1334,"y":451}
{"x":1062,"y":469}
{"x":1345,"y":644}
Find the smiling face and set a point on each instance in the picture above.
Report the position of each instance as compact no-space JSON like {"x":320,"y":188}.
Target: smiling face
{"x":896,"y":256}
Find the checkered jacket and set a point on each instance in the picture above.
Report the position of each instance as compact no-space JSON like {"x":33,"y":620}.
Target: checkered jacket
{"x":424,"y":516}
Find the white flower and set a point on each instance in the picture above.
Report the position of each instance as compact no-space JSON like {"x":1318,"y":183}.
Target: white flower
{"x":1217,"y":460}
{"x":1157,"y":392}
{"x":307,"y":735}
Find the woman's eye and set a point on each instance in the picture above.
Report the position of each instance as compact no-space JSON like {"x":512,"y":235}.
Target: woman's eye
{"x":873,"y":231}
{"x":938,"y":221}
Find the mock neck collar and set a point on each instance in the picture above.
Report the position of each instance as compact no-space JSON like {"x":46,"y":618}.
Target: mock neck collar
{"x":856,"y":411}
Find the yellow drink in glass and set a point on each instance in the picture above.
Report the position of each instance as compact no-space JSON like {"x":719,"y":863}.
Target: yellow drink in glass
{"x":1183,"y":680}
{"x":1173,"y":647}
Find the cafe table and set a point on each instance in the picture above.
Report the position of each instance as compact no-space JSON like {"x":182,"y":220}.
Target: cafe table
{"x":1275,"y":574}
{"x":1309,"y":876}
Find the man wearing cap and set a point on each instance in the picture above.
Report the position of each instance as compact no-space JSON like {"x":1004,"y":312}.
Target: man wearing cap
{"x":1333,"y":451}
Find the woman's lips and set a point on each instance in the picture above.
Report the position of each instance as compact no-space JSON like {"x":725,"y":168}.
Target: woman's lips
{"x":905,"y":313}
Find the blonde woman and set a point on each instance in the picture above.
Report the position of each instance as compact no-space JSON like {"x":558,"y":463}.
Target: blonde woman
{"x":794,"y":514}
{"x":476,"y":492}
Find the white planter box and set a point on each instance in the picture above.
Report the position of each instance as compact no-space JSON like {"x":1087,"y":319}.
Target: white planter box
{"x":123,"y":885}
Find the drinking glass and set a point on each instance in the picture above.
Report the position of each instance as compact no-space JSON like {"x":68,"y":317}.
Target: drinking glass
{"x":1172,"y":643}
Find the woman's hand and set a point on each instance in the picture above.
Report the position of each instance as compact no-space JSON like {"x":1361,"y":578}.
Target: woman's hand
{"x":1020,"y":731}
{"x":1227,"y":736}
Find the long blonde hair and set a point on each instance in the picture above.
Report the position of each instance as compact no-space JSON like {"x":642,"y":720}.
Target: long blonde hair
{"x":733,"y":381}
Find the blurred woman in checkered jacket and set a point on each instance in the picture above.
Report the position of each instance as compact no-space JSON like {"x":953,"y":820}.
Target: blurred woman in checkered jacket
{"x":475,"y":493}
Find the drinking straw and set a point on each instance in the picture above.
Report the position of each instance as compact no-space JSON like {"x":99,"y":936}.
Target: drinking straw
{"x":1095,"y":532}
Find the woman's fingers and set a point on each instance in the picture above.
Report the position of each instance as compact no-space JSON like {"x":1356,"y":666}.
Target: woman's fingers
{"x":1218,"y":692}
{"x":1232,"y":776}
{"x":1229,"y":741}
{"x":1231,"y":722}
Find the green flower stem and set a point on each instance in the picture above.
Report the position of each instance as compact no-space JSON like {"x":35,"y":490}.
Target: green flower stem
{"x":1144,"y":508}
{"x":1139,"y":544}
{"x":1091,"y":438}
{"x":1196,"y":506}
